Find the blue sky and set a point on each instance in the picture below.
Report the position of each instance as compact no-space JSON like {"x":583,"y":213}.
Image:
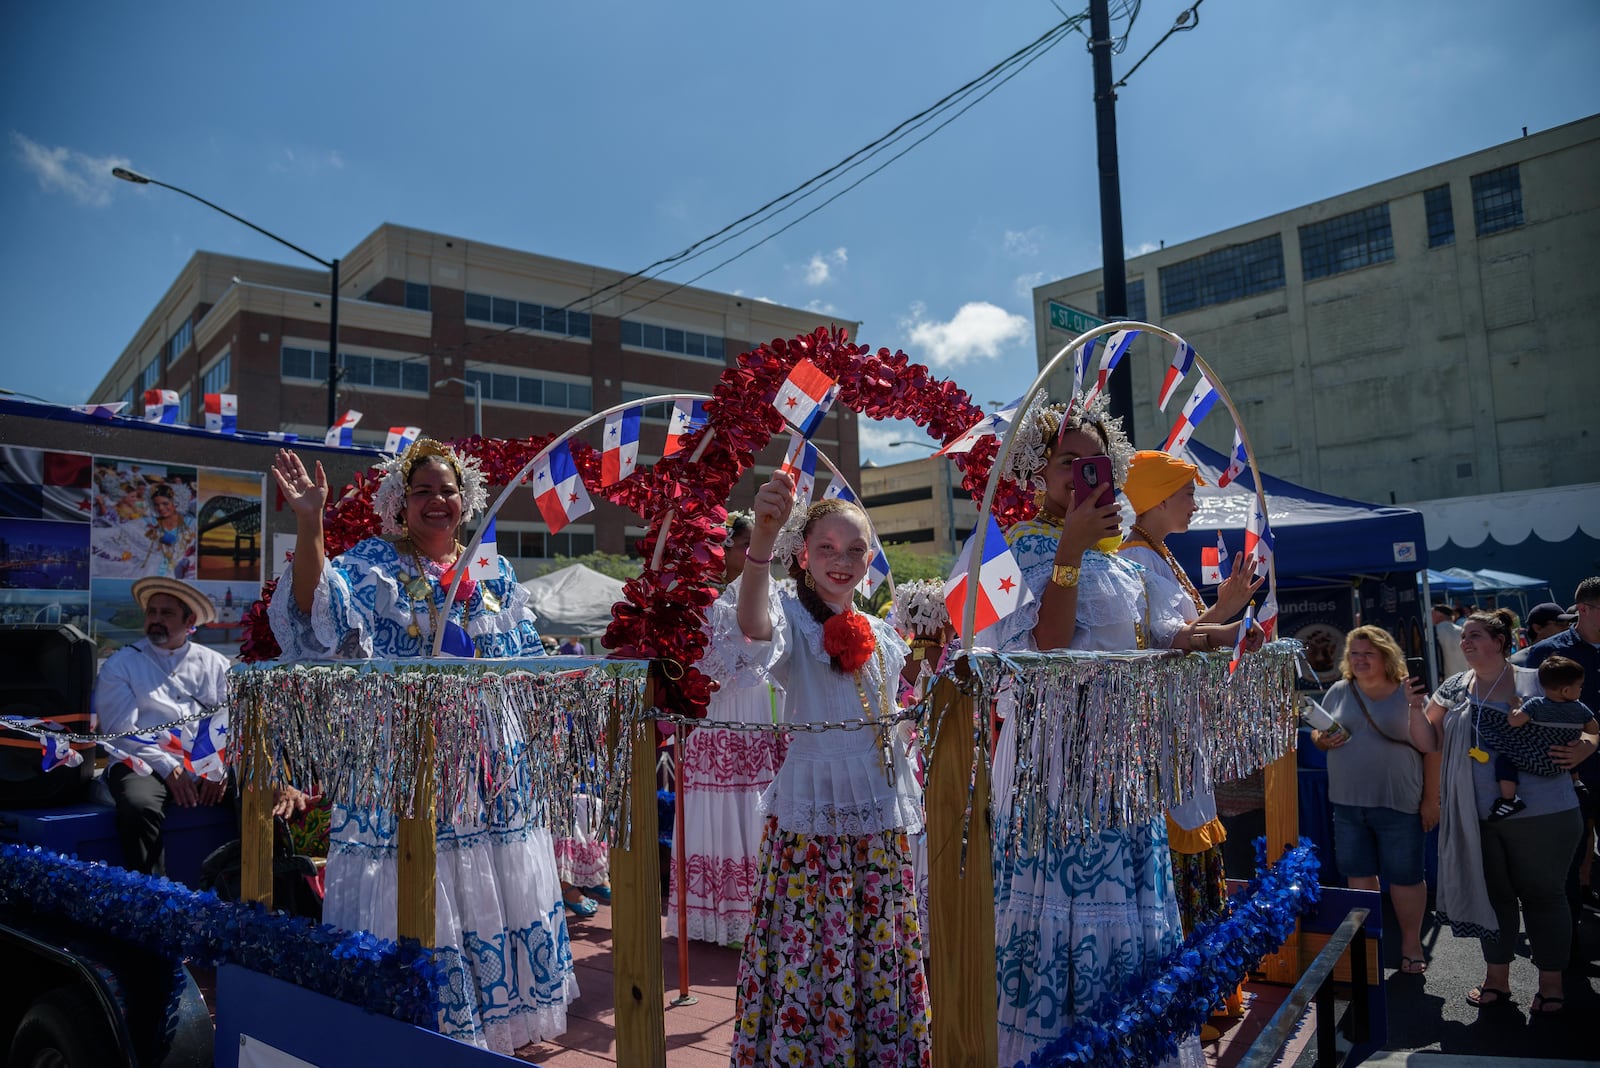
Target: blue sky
{"x":616,"y":133}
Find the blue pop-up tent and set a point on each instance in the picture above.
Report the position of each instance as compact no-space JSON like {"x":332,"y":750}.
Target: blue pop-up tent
{"x":1317,"y":536}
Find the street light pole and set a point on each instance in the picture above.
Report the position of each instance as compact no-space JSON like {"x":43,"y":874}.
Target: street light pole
{"x":1113,"y":268}
{"x":332,"y":265}
{"x":477,"y":402}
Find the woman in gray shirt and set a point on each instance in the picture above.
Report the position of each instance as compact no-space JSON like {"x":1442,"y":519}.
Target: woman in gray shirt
{"x":1376,"y":780}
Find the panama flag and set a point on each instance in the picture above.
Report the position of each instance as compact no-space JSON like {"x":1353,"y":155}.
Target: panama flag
{"x":1182,"y":363}
{"x":1000,"y":587}
{"x":1195,"y":409}
{"x":205,"y":745}
{"x":619,"y":453}
{"x":877,"y":572}
{"x":58,"y":752}
{"x":160,"y":406}
{"x":485,"y":563}
{"x":687,"y":417}
{"x":805,"y":397}
{"x":800,"y":464}
{"x":1268,"y":619}
{"x":1258,"y":539}
{"x":990,"y":426}
{"x":558,"y":489}
{"x":1238,"y":460}
{"x":1244,"y":633}
{"x":222,"y":412}
{"x":341,"y":434}
{"x":1214,"y":563}
{"x":1116,"y":347}
{"x":116,"y":756}
{"x":1080,"y":366}
{"x":400,"y":438}
{"x":282,"y":435}
{"x":840,"y":489}
{"x":101,"y":411}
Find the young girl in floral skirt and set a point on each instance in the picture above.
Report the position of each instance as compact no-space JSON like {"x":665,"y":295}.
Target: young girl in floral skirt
{"x":832,"y":968}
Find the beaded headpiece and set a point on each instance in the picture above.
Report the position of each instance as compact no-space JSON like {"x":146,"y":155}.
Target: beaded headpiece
{"x":919,"y":606}
{"x":389,"y":499}
{"x":1041,"y":427}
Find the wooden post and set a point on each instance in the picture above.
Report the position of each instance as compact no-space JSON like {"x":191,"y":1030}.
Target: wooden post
{"x":638,"y":988}
{"x":1282,"y":789}
{"x":255,"y":809}
{"x":961,"y":966}
{"x":417,"y":851}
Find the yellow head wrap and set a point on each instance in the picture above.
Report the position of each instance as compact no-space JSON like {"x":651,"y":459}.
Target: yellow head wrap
{"x":1155,"y":476}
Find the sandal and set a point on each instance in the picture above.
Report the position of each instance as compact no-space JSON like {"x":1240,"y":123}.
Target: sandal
{"x":1413,"y":965}
{"x":1540,"y":1001}
{"x":583,"y":908}
{"x":1480,"y":996}
{"x":601,"y":894}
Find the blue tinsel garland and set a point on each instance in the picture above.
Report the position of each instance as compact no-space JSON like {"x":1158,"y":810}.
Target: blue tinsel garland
{"x":398,"y":979}
{"x":1143,"y":1023}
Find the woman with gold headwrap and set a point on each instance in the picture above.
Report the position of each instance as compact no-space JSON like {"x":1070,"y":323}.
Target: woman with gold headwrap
{"x":1078,"y":920}
{"x":1160,"y":490}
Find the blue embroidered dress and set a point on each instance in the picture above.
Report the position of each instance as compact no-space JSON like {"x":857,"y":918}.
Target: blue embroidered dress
{"x":1074,"y":923}
{"x":500,"y":927}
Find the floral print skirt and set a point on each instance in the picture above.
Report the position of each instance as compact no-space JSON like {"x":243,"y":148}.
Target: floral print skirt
{"x":831,"y":972}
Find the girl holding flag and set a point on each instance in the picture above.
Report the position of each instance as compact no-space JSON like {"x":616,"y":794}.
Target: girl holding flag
{"x":831,"y":972}
{"x":1079,"y":920}
{"x":500,"y":931}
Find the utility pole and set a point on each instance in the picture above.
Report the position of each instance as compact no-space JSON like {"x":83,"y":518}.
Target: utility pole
{"x":1113,"y":270}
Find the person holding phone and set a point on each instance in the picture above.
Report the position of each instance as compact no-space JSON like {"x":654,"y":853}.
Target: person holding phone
{"x":1079,"y":919}
{"x":1384,"y":791}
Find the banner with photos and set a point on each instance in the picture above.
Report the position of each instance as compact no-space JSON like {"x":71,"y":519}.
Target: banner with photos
{"x":76,"y":531}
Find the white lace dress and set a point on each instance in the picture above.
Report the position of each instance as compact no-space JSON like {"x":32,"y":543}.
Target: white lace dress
{"x":499,"y":922}
{"x":1074,"y":923}
{"x":723,"y":774}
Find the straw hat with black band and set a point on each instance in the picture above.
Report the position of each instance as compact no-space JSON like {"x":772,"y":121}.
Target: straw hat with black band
{"x":192,"y":599}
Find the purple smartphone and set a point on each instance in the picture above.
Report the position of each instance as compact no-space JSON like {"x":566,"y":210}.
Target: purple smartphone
{"x":1091,"y":475}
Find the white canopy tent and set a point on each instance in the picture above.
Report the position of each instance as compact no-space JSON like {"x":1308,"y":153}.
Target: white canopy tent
{"x":573,"y":601}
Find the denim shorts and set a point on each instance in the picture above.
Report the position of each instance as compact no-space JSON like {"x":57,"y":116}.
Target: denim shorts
{"x":1369,"y":840}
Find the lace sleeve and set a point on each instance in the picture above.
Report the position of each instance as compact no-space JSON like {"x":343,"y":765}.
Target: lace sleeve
{"x":737,"y":661}
{"x":332,"y":630}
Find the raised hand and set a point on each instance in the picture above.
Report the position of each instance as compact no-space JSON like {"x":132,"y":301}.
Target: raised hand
{"x":1237,"y":589}
{"x":1086,"y":524}
{"x":305,"y":495}
{"x":774,"y":501}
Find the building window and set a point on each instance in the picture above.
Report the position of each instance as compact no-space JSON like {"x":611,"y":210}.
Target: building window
{"x":532,"y":391}
{"x":1346,"y":242}
{"x":179,"y":341}
{"x":417,"y":296}
{"x":1497,"y":200}
{"x":185,"y":406}
{"x":643,"y":335}
{"x":1136,"y":308}
{"x":528,"y":315}
{"x":308,"y":365}
{"x":217,"y":378}
{"x":132,"y":396}
{"x":151,"y":375}
{"x":661,"y":410}
{"x":1224,"y":275}
{"x":1441,"y":218}
{"x":542,"y":545}
{"x":303,"y":364}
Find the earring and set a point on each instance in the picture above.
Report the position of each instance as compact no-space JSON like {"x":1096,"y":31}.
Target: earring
{"x":811,"y":583}
{"x":1038,"y":499}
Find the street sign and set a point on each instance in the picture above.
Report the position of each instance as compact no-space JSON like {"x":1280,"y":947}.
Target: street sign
{"x":1066,"y":318}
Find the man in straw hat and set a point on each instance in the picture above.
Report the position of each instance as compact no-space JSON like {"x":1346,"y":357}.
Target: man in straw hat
{"x":160,"y":679}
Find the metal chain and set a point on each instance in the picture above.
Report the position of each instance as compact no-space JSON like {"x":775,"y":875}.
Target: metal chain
{"x":912,"y":714}
{"x":15,"y":724}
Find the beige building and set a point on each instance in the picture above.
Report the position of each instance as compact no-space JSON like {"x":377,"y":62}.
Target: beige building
{"x":545,"y":342}
{"x":919,"y":504}
{"x":1433,"y":335}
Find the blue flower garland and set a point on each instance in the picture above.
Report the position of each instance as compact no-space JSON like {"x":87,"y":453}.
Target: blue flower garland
{"x":397,"y":979}
{"x":1144,"y":1022}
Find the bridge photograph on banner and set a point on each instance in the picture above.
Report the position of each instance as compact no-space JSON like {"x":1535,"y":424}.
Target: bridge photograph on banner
{"x":76,"y":531}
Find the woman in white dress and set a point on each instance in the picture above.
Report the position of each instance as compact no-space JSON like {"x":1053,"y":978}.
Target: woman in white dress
{"x":499,"y":924}
{"x":723,"y":774}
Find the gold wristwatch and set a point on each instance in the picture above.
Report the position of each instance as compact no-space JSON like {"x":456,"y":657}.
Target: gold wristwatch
{"x":1064,"y":575}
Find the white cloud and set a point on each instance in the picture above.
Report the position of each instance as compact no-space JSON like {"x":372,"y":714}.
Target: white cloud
{"x":1025,"y":283}
{"x":85,"y":178}
{"x":979,"y":330}
{"x":822,"y":307}
{"x":877,"y":438}
{"x":308,"y":161}
{"x":820,"y":269}
{"x":1144,"y":248}
{"x":1022,"y":242}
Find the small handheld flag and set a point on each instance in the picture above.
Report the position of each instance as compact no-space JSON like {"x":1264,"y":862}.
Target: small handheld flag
{"x":1214,"y":562}
{"x":1268,"y":619}
{"x":161,"y":406}
{"x":1000,"y":586}
{"x":485,"y":563}
{"x":1182,"y":363}
{"x":1238,"y":460}
{"x":805,"y":397}
{"x":838,"y":488}
{"x":1244,"y":634}
{"x":341,"y":434}
{"x":1198,"y":406}
{"x":400,"y":438}
{"x":800,"y":464}
{"x":222,"y":412}
{"x":619,"y":453}
{"x":988,"y":427}
{"x":1258,"y":540}
{"x":687,"y":417}
{"x":558,"y":488}
{"x":877,"y":572}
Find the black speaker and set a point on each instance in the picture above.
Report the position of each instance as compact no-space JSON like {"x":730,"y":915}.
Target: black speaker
{"x":46,"y":671}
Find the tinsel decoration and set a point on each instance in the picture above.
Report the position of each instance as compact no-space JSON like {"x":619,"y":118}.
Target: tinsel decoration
{"x":525,"y":733}
{"x":1107,"y":739}
{"x":397,"y":979}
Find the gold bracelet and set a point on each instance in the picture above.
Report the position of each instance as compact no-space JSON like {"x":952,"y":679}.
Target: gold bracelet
{"x":1064,"y":575}
{"x":1199,"y":640}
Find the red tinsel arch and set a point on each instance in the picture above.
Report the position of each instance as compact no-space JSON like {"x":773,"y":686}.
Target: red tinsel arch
{"x":662,"y":613}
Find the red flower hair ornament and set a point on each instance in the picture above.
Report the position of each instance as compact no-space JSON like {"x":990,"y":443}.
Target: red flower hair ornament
{"x":849,"y":637}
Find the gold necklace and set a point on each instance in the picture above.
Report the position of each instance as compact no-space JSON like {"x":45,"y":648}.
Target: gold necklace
{"x":1049,"y":518}
{"x":420,"y":588}
{"x":878,"y":718}
{"x":1178,"y":573}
